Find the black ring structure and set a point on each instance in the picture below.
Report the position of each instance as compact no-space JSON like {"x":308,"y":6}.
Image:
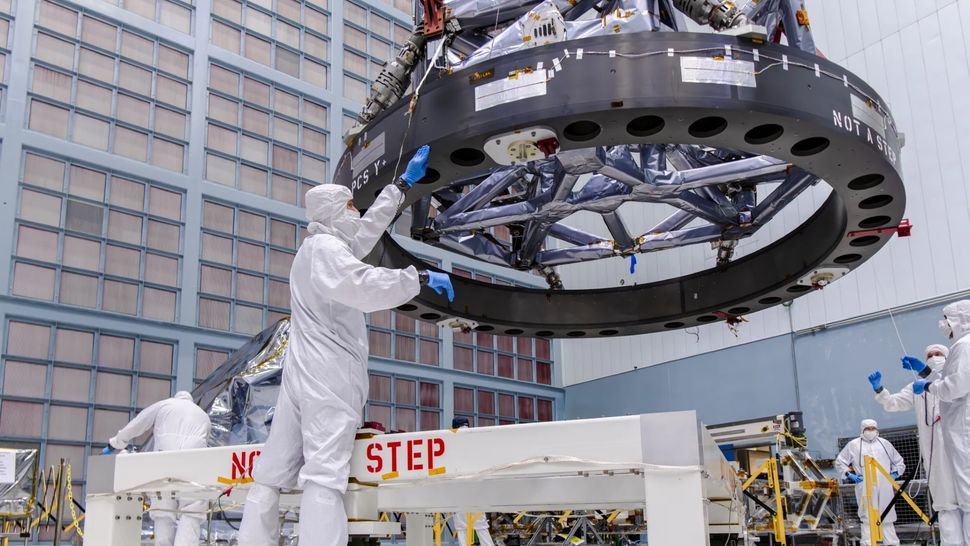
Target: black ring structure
{"x":804,"y":110}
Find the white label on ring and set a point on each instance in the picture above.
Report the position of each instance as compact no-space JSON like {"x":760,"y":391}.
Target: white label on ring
{"x":726,"y":72}
{"x":523,"y":86}
{"x":862,"y":111}
{"x":370,"y":152}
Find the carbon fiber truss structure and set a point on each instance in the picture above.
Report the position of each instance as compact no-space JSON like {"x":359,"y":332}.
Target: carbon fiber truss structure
{"x":537,"y":110}
{"x":715,"y":185}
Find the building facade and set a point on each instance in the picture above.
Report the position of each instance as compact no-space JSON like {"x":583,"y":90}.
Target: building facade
{"x":153,"y":160}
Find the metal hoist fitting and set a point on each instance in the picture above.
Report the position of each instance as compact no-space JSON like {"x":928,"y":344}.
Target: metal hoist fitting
{"x":719,"y":14}
{"x":391,"y":83}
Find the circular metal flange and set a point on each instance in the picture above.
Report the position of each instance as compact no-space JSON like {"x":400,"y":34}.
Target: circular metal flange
{"x":801,"y":109}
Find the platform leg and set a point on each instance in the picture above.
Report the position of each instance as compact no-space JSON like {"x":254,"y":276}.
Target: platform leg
{"x":420,"y":530}
{"x":112,"y":520}
{"x":675,"y":509}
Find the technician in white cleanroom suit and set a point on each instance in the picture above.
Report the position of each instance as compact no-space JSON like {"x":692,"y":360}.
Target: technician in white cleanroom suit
{"x":930,"y":444}
{"x":952,"y":387}
{"x":324,"y":387}
{"x":177,"y":423}
{"x":851,"y":466}
{"x":479,"y":524}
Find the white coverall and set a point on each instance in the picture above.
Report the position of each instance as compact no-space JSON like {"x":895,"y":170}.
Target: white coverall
{"x":942,"y":490}
{"x":325,"y":383}
{"x":177,"y":424}
{"x":479,"y":526}
{"x":953,"y":391}
{"x":853,"y":454}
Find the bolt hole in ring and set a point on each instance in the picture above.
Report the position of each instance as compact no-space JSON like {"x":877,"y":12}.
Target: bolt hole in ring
{"x":764,"y":134}
{"x":582,"y":131}
{"x":467,"y":157}
{"x":707,"y":127}
{"x":645,"y":126}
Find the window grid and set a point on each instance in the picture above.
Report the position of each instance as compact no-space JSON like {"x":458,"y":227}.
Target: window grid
{"x":487,"y":407}
{"x":370,"y":39}
{"x":293,"y":37}
{"x":395,"y":335}
{"x":97,"y":239}
{"x":101,"y":85}
{"x":207,"y":360}
{"x":519,"y":358}
{"x":175,"y":14}
{"x":402,"y":403}
{"x":263,"y":138}
{"x":403,"y":5}
{"x":244,"y":268}
{"x":6,"y":23}
{"x":69,"y":389}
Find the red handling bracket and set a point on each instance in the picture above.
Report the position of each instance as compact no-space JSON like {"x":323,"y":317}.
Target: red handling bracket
{"x":548,"y":146}
{"x":732,"y":320}
{"x":904,"y":229}
{"x":434,"y":18}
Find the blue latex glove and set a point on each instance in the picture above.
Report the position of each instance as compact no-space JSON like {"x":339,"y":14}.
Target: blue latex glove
{"x":417,"y":166}
{"x":441,"y":281}
{"x":913,"y":363}
{"x":853,"y":477}
{"x":107,"y":451}
{"x":895,"y":475}
{"x":875,"y":379}
{"x":919,"y":386}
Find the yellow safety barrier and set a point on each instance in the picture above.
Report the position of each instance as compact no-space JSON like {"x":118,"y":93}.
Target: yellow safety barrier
{"x":470,"y":529}
{"x":75,"y":523}
{"x":438,"y":527}
{"x":48,"y":506}
{"x":778,"y":520}
{"x":58,"y":479}
{"x":869,"y":476}
{"x":871,"y":471}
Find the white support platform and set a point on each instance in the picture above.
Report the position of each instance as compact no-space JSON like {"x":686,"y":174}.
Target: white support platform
{"x":664,"y":463}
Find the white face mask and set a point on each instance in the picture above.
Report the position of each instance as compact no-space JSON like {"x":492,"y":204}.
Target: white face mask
{"x":347,"y":224}
{"x":936,"y":362}
{"x":946,"y":329}
{"x":870,"y":435}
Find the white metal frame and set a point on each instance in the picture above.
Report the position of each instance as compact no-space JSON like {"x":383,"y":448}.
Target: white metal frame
{"x":664,"y":463}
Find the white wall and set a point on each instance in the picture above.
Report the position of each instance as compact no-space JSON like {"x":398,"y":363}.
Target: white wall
{"x":916,"y":54}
